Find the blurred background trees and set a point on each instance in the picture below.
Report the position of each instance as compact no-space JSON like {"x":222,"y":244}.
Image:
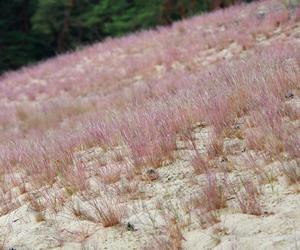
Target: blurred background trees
{"x":31,"y":30}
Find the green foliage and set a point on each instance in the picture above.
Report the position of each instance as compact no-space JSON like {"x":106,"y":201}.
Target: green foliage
{"x":18,"y":45}
{"x":37,"y":29}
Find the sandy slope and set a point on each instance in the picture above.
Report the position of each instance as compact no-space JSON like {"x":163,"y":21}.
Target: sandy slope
{"x":277,"y":228}
{"x":164,"y":202}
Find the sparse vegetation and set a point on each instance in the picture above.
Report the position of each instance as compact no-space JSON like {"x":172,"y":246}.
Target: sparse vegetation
{"x":200,"y":110}
{"x":107,"y":211}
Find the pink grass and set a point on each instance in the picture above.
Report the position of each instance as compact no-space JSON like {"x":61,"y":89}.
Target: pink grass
{"x":246,"y":195}
{"x":107,"y":212}
{"x":142,"y":91}
{"x":200,"y":164}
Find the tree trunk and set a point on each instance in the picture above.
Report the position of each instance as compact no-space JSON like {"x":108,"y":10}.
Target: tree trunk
{"x":63,"y":35}
{"x":216,"y":4}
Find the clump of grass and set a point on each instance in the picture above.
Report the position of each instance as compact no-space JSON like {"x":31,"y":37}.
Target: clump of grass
{"x":214,"y":195}
{"x":220,"y":113}
{"x":291,"y":171}
{"x":264,"y":176}
{"x":107,"y":212}
{"x":110,"y":173}
{"x":200,"y":164}
{"x":292,"y":145}
{"x":74,"y":177}
{"x":169,"y":236}
{"x":8,"y":203}
{"x":37,"y":205}
{"x":255,"y":140}
{"x":118,"y":156}
{"x":127,"y":188}
{"x":76,"y":210}
{"x":212,"y":198}
{"x":247,"y":196}
{"x":54,"y":200}
{"x":215,"y":149}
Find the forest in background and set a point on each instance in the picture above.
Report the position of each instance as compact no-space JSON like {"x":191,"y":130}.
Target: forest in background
{"x":32,"y":30}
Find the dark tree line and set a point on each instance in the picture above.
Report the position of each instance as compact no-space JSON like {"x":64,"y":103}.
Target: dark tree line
{"x":31,"y":30}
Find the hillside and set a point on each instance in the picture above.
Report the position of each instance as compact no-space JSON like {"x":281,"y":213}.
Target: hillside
{"x":183,"y":137}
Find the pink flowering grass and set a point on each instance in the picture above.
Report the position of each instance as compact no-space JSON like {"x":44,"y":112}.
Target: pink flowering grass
{"x":142,"y":91}
{"x":214,"y":193}
{"x":200,"y":164}
{"x":107,"y":211}
{"x":246,"y":195}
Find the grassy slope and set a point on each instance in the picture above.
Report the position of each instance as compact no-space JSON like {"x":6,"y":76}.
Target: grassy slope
{"x":198,"y":120}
